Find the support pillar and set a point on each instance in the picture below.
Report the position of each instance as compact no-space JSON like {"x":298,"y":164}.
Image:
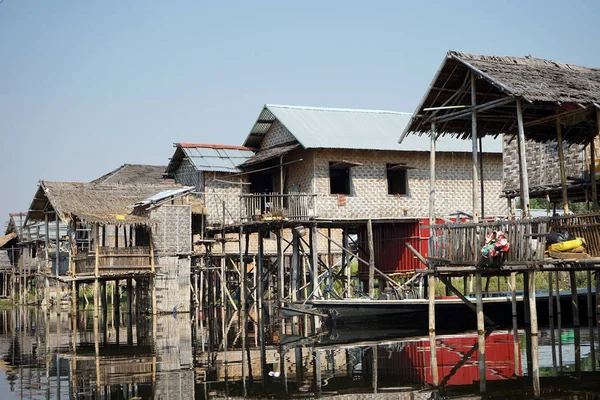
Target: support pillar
{"x":432,"y":345}
{"x":480,"y":333}
{"x":561,"y":160}
{"x":371,"y":259}
{"x":129,"y":296}
{"x":535,"y":373}
{"x":474,"y":148}
{"x":524,"y":190}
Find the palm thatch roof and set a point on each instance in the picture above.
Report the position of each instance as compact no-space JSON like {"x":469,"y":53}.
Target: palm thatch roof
{"x":104,"y":204}
{"x":133,"y":174}
{"x":4,"y":240}
{"x":547,"y":89}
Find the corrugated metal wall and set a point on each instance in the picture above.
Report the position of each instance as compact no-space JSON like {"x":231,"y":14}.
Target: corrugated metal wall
{"x":389,"y":242}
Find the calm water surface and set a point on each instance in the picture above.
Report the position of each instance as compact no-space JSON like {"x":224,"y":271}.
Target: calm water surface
{"x":50,"y":356}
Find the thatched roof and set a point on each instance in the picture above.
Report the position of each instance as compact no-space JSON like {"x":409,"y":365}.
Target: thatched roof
{"x":7,"y":238}
{"x":270,"y":153}
{"x":105,"y":204}
{"x":133,"y":174}
{"x":547,"y":89}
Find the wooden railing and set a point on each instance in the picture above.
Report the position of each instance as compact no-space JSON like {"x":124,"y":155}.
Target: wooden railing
{"x":113,"y":260}
{"x":267,"y":206}
{"x":461,"y":243}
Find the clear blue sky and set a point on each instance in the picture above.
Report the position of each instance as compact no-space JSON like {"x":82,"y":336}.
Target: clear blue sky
{"x":88,"y":86}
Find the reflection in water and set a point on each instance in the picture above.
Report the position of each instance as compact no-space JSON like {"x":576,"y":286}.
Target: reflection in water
{"x":48,"y":356}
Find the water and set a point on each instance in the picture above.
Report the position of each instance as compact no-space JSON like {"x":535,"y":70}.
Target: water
{"x":50,"y":356}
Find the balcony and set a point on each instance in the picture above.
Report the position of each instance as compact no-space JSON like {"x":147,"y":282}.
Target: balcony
{"x":273,"y":206}
{"x":460,"y":243}
{"x":114,"y":260}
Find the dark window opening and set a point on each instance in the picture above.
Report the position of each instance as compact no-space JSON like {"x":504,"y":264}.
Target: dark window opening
{"x":142,"y":236}
{"x":397,"y":179}
{"x":339,"y":179}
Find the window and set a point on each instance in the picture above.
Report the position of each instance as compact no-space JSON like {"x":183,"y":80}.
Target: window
{"x":339,"y":178}
{"x":397,"y":179}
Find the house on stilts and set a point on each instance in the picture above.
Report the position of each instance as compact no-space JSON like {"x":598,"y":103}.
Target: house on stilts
{"x":536,"y":105}
{"x":136,"y":234}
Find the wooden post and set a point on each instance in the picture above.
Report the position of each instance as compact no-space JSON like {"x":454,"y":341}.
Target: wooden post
{"x":346,"y":263}
{"x":432,"y":345}
{"x":74,"y":297}
{"x":371,"y":259}
{"x":593,"y":164}
{"x":558,"y":321}
{"x":524,"y":192}
{"x":432,"y":175}
{"x":116,"y":298}
{"x":575,"y":304}
{"x":328,"y":264}
{"x":153,"y":270}
{"x":259,"y":295}
{"x":590,"y":302}
{"x":597,"y":276}
{"x":474,"y":147}
{"x":96,"y":267}
{"x":513,"y":287}
{"x":375,"y":368}
{"x":314,"y":255}
{"x":534,"y":336}
{"x":129,"y":296}
{"x":280,"y":267}
{"x":480,"y":333}
{"x":561,"y":159}
{"x":295,"y":262}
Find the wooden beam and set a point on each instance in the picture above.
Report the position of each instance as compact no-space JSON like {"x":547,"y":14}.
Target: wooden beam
{"x":535,"y":374}
{"x":561,"y":160}
{"x":480,"y":333}
{"x":474,"y":108}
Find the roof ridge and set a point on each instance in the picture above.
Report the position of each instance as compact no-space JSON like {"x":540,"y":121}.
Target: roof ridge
{"x":337,"y":109}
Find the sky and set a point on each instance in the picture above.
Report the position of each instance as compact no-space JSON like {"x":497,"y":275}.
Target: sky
{"x":88,"y":86}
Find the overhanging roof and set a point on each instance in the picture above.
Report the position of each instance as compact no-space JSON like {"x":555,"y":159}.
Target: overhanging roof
{"x":338,"y":128}
{"x":547,"y":89}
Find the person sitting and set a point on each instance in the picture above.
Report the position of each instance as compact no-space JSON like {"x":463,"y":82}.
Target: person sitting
{"x":495,"y":247}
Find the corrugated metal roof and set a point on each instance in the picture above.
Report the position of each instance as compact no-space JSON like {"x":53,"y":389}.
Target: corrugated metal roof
{"x":164,"y":195}
{"x":210,"y":157}
{"x":352,"y":129}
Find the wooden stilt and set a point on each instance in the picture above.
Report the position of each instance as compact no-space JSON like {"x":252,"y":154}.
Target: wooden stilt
{"x":116,"y":297}
{"x":259,"y":295}
{"x":526,"y":297}
{"x":295,"y":262}
{"x":371,"y":259}
{"x":375,"y":367}
{"x":346,"y":263}
{"x":96,"y":267}
{"x":74,"y":297}
{"x":432,"y":345}
{"x":558,"y":321}
{"x":314,"y":256}
{"x":516,"y":352}
{"x":129,"y":296}
{"x":551,"y":320}
{"x":480,"y":333}
{"x":575,"y":304}
{"x":535,"y":373}
{"x":280,"y":268}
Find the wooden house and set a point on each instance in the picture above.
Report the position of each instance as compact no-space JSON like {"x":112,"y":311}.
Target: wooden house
{"x":151,"y":231}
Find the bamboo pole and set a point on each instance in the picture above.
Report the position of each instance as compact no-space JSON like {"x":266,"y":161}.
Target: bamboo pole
{"x":432,"y":175}
{"x":295,"y":262}
{"x":593,"y":179}
{"x":576,"y":325}
{"x":314,"y":256}
{"x":346,"y":263}
{"x":432,"y":344}
{"x":474,"y":148}
{"x":558,"y":321}
{"x":522,"y":161}
{"x":96,"y":267}
{"x":561,"y":160}
{"x":153,"y":270}
{"x":280,"y":268}
{"x":534,"y":336}
{"x":480,"y":333}
{"x":371,"y":259}
{"x":513,"y":287}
